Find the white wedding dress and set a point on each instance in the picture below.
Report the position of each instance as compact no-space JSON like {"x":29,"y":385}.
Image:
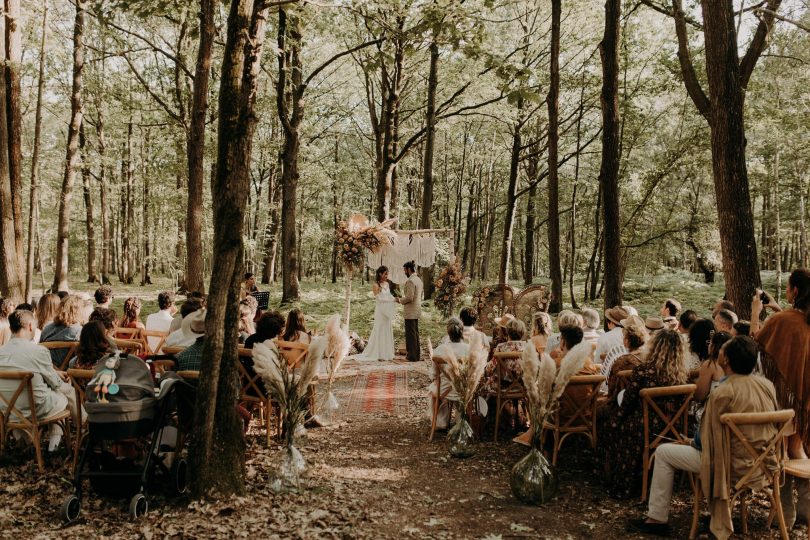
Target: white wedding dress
{"x":381,"y":341}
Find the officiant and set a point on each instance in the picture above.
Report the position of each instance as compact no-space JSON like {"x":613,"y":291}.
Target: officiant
{"x":412,"y":304}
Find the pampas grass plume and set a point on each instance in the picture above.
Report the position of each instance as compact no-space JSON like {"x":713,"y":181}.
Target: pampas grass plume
{"x":573,"y":362}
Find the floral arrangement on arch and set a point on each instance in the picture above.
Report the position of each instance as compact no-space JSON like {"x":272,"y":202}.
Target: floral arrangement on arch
{"x":450,"y":285}
{"x":356,"y":235}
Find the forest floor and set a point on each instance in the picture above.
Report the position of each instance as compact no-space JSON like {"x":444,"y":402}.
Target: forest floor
{"x":371,"y":474}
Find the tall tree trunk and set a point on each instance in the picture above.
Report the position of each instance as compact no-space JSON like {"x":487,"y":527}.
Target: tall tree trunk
{"x":106,"y":236}
{"x":146,"y":257}
{"x":553,"y":178}
{"x":427,"y":161}
{"x":218,"y":446}
{"x":288,"y":101}
{"x":33,"y":203}
{"x":194,"y":279}
{"x":531,"y":220}
{"x":92,"y":274}
{"x":127,"y":211}
{"x":271,"y":242}
{"x":60,"y":279}
{"x":609,"y":168}
{"x":735,"y":218}
{"x":13,"y":37}
{"x":511,"y":200}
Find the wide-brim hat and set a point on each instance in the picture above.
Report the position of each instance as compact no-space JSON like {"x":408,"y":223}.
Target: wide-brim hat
{"x":194,"y":322}
{"x":504,"y":319}
{"x":632,"y":320}
{"x":616,"y":315}
{"x":654,"y":324}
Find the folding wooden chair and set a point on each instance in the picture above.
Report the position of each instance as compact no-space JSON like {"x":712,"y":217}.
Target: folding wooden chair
{"x":513,"y":391}
{"x":172,"y":350}
{"x":251,"y":392}
{"x":189,"y":375}
{"x":575,"y":416}
{"x":623,"y":377}
{"x":131,"y":334}
{"x":295,"y":353}
{"x":439,"y":397}
{"x":154,"y":340}
{"x":68,"y":346}
{"x":13,"y":418}
{"x":78,"y":380}
{"x":773,"y":451}
{"x":129,"y":346}
{"x":663,"y":402}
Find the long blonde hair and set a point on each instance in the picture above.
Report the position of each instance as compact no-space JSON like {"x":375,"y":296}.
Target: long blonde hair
{"x":47,"y":309}
{"x":70,"y":311}
{"x":667,"y":355}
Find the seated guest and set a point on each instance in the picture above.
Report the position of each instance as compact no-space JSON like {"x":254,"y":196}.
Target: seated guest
{"x":784,"y":344}
{"x":190,"y":358}
{"x":612,"y":340}
{"x":468,"y":318}
{"x":162,"y":320}
{"x":52,"y":393}
{"x":516,"y":334}
{"x":722,"y":304}
{"x":189,"y":306}
{"x":245,"y":325}
{"x":47,"y":310}
{"x":103,"y":296}
{"x":132,"y":314}
{"x":541,"y":330}
{"x":295,"y":330}
{"x":622,"y":425}
{"x":635,"y":337}
{"x":739,"y":392}
{"x":94,"y":344}
{"x":671,"y":308}
{"x":66,"y":326}
{"x":565,"y":318}
{"x":109,"y":319}
{"x":686,"y":320}
{"x":183,"y":336}
{"x":269,"y":327}
{"x":456,"y":345}
{"x":654,"y":325}
{"x":741,"y":328}
{"x":724,"y":320}
{"x":710,"y":372}
{"x":591,"y":331}
{"x":248,"y":285}
{"x":700,"y":335}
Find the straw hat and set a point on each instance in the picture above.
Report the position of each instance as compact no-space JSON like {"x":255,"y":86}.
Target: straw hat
{"x":632,"y":320}
{"x":616,"y":315}
{"x":194,"y":323}
{"x":654,"y":324}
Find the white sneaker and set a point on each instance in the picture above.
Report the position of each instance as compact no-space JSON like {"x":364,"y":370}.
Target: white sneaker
{"x":53,"y":442}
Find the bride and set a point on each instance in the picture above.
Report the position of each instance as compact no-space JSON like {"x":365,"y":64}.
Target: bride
{"x":381,"y":341}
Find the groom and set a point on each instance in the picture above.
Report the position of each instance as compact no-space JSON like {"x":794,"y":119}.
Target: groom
{"x":412,"y":302}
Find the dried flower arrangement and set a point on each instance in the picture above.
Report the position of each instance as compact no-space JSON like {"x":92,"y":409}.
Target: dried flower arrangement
{"x":450,"y":285}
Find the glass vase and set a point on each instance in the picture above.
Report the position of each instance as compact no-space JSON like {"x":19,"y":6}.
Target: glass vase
{"x":287,"y":476}
{"x":461,"y":436}
{"x":533,"y":479}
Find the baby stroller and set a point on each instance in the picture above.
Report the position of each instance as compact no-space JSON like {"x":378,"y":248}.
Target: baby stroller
{"x":135,"y":435}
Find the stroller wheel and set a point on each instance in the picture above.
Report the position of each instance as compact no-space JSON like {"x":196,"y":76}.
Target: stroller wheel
{"x":70,"y":509}
{"x":138,"y":506}
{"x":179,"y":476}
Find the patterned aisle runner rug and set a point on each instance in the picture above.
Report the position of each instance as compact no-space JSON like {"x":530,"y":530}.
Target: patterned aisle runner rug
{"x":379,"y":392}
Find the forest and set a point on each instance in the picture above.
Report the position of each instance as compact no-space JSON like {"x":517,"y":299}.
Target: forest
{"x":558,"y":142}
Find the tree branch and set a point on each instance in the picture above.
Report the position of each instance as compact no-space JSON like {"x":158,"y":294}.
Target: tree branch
{"x":690,"y":79}
{"x":174,"y":115}
{"x":794,"y":22}
{"x":337,"y":57}
{"x":759,"y":42}
{"x":661,"y":9}
{"x":155,"y":48}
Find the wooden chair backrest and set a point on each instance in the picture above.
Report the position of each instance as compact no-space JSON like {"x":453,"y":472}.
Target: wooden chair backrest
{"x":650,"y":402}
{"x":622,"y":377}
{"x":438,"y":373}
{"x":128,"y":333}
{"x":78,"y":380}
{"x":249,"y":383}
{"x":10,"y":412}
{"x":295,"y":353}
{"x":162,"y":366}
{"x":158,"y":337}
{"x":129,"y":346}
{"x":189,"y":375}
{"x":773,"y":448}
{"x":579,"y":413}
{"x":70,"y":346}
{"x":514,"y":389}
{"x":173,"y":350}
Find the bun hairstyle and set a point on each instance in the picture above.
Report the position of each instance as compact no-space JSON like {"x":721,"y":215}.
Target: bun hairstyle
{"x":379,"y":273}
{"x":800,"y":280}
{"x":410,"y":265}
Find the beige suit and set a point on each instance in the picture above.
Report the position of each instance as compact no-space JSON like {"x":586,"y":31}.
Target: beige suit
{"x":412,"y":304}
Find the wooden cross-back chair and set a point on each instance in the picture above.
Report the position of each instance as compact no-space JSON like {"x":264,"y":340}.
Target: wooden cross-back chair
{"x":68,"y":346}
{"x":575,"y":416}
{"x":505,"y":391}
{"x":155,"y":344}
{"x":78,"y":380}
{"x":252,"y":392}
{"x":295,"y":353}
{"x":622,"y":377}
{"x":172,"y":350}
{"x":129,"y":346}
{"x":132,"y":334}
{"x":773,"y":451}
{"x":674,"y":414}
{"x":439,"y":397}
{"x":13,"y":418}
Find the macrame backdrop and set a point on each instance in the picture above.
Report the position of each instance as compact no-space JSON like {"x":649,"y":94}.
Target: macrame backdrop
{"x":416,"y":246}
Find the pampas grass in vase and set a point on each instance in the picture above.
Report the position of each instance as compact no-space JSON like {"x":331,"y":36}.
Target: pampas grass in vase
{"x":465,"y":375}
{"x":337,"y":347}
{"x":288,"y":386}
{"x":533,"y":479}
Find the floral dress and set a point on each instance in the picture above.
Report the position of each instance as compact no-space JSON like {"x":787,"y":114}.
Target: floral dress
{"x":621,"y":433}
{"x":512,"y":372}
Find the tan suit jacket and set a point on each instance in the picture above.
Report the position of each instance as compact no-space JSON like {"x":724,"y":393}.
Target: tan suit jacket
{"x":412,"y":299}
